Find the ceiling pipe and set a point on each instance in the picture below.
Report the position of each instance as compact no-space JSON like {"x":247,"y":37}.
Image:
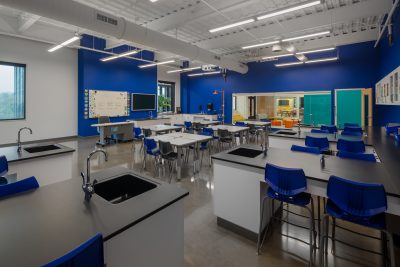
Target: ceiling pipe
{"x":387,"y":22}
{"x":86,"y":17}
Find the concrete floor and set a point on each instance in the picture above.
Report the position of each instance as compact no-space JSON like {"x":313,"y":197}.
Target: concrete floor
{"x":207,"y":244}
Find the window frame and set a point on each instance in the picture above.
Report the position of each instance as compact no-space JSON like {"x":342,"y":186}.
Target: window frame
{"x":5,"y":63}
{"x":173,"y":84}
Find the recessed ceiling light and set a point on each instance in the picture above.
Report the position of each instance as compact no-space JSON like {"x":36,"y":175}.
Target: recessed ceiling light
{"x":184,"y":70}
{"x":289,"y":64}
{"x":316,"y":51}
{"x":132,"y":52}
{"x":69,"y":41}
{"x":306,"y":36}
{"x":259,"y":45}
{"x":322,"y":60}
{"x":156,"y":64}
{"x":290,"y":9}
{"x":277,"y":56}
{"x":204,"y":73}
{"x":232,"y":25}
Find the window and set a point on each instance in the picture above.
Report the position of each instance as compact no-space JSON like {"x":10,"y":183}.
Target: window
{"x":12,"y":91}
{"x":166,"y":96}
{"x":234,"y":103}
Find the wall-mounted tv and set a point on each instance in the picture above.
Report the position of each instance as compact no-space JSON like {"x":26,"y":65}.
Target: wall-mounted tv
{"x":283,"y":102}
{"x":142,"y":102}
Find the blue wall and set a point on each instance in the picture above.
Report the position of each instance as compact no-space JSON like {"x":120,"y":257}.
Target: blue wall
{"x":389,"y":61}
{"x":357,"y":68}
{"x":116,"y":75}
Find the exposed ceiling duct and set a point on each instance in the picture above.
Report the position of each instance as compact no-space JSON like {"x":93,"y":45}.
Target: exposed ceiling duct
{"x":82,"y":16}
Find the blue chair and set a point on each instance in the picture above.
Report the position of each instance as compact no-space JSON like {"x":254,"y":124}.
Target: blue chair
{"x":359,"y":156}
{"x":137,"y":137}
{"x":351,"y":146}
{"x":319,"y":131}
{"x":90,"y":253}
{"x":358,"y":203}
{"x":321,"y":142}
{"x":150,"y":149}
{"x":346,"y":124}
{"x":307,"y":149}
{"x":240,"y":124}
{"x":353,"y":129}
{"x":18,"y":187}
{"x":329,"y":128}
{"x":287,"y":186}
{"x":3,"y":166}
{"x":179,"y":125}
{"x":188,"y":126}
{"x":392,"y":129}
{"x":345,"y":133}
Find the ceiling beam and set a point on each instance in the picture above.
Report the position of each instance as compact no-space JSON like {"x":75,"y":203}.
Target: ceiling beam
{"x":26,"y":21}
{"x":316,"y":20}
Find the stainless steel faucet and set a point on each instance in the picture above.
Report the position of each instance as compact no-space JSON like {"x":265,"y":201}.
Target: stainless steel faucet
{"x":87,"y":186}
{"x":19,"y":137}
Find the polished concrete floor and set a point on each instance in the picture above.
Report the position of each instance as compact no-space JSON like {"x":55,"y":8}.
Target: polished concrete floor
{"x":206,"y":243}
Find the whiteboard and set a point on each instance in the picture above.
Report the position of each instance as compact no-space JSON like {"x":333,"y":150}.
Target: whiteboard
{"x":108,"y":103}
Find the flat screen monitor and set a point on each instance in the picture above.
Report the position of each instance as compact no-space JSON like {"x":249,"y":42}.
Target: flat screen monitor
{"x":283,"y":102}
{"x":143,"y":102}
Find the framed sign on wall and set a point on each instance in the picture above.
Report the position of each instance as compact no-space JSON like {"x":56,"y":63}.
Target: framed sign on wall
{"x":387,"y":91}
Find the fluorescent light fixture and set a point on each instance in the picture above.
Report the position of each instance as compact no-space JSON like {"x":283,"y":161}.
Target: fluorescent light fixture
{"x":290,"y":9}
{"x":153,"y":1}
{"x":258,"y":45}
{"x":243,"y":22}
{"x":69,"y":41}
{"x":288,"y":64}
{"x":132,"y":52}
{"x":204,"y":73}
{"x":277,"y":56}
{"x":316,"y":51}
{"x":306,"y":36}
{"x":156,"y":64}
{"x":183,"y":70}
{"x":322,"y":60}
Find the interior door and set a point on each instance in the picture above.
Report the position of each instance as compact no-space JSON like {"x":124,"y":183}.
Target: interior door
{"x":349,"y":106}
{"x":317,"y":109}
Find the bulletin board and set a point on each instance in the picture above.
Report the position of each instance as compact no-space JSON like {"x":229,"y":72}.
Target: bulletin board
{"x":107,"y":103}
{"x":387,"y":91}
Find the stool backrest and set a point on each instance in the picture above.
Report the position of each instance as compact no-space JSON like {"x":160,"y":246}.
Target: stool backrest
{"x":165,"y":147}
{"x":351,"y":133}
{"x":18,"y":187}
{"x":208,"y":131}
{"x":137,"y":132}
{"x":351,"y":146}
{"x":353,"y":129}
{"x":147,"y":132}
{"x":223,"y":133}
{"x":150,"y":145}
{"x":320,"y":142}
{"x":90,"y":253}
{"x":357,"y":199}
{"x":359,"y":156}
{"x":308,"y":149}
{"x":319,"y":131}
{"x":3,"y":166}
{"x":240,"y":124}
{"x":188,"y":124}
{"x":285,"y":181}
{"x":347,"y":124}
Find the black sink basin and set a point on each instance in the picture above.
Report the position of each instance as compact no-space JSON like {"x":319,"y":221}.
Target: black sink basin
{"x":246,"y":152}
{"x":122,"y":188}
{"x":286,"y":132}
{"x":37,"y":149}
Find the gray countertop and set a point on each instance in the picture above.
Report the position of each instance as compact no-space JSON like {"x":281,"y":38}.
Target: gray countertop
{"x":355,"y":170}
{"x":12,"y":155}
{"x":39,"y":226}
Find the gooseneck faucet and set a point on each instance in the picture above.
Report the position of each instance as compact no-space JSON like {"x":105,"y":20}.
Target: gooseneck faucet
{"x":87,"y":186}
{"x":19,"y":138}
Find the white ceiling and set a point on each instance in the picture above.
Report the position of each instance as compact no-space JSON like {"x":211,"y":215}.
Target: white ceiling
{"x":351,"y":21}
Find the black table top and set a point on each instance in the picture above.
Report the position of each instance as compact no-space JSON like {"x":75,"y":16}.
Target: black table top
{"x":387,"y":172}
{"x":39,"y":226}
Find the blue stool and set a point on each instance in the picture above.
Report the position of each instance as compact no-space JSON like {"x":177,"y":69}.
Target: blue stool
{"x":151,"y":149}
{"x":188,"y":126}
{"x":18,"y":187}
{"x":392,"y":129}
{"x":307,"y":149}
{"x":358,"y":203}
{"x":346,"y":133}
{"x":3,"y":166}
{"x":90,"y":253}
{"x":353,"y":129}
{"x":359,"y":156}
{"x":351,"y":146}
{"x":240,"y":124}
{"x":321,"y":142}
{"x":329,"y":128}
{"x":346,"y":124}
{"x":319,"y":131}
{"x":137,"y":137}
{"x":287,"y":186}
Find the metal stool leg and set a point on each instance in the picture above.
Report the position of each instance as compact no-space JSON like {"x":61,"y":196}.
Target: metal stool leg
{"x":333,"y":235}
{"x":260,"y":233}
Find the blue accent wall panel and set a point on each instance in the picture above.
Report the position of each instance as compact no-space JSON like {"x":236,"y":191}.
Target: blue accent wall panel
{"x":357,"y":68}
{"x":116,"y":75}
{"x":389,"y":60}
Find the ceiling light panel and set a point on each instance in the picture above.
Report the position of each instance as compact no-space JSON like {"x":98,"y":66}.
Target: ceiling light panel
{"x":204,"y":73}
{"x":316,"y":51}
{"x":289,"y":64}
{"x":240,"y":23}
{"x":322,"y":60}
{"x":69,"y":41}
{"x":277,"y":56}
{"x":129,"y":53}
{"x":156,"y":64}
{"x":184,"y":70}
{"x":306,"y":36}
{"x":289,"y":9}
{"x":260,"y":45}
